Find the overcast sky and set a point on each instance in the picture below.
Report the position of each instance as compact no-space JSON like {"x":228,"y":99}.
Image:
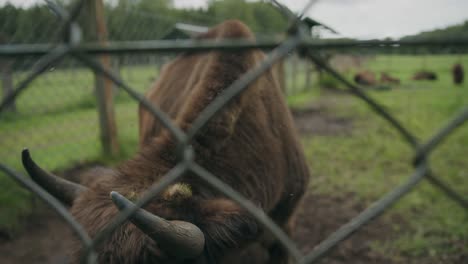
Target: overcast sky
{"x":367,"y":18}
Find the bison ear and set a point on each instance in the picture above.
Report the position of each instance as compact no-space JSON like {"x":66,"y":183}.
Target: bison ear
{"x":63,"y":190}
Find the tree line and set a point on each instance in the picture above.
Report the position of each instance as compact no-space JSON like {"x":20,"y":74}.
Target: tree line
{"x":137,"y":19}
{"x":451,"y":32}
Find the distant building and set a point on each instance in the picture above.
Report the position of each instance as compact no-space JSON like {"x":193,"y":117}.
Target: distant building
{"x":185,"y":31}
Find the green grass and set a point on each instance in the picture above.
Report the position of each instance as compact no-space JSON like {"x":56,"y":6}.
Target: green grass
{"x":57,"y":120}
{"x":302,"y":98}
{"x":374,"y":159}
{"x":56,"y":142}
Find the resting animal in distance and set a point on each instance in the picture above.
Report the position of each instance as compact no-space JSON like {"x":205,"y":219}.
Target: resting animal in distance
{"x":251,"y":145}
{"x":425,"y":75}
{"x":458,"y":74}
{"x":365,"y":78}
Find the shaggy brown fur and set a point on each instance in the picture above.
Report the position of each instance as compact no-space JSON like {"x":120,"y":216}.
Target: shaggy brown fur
{"x":387,"y":78}
{"x":458,"y":74}
{"x":365,"y":78}
{"x":425,"y":75}
{"x":250,"y":145}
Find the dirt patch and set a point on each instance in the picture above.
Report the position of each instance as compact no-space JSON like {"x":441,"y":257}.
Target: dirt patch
{"x":317,"y":120}
{"x":43,"y":240}
{"x":322,"y":215}
{"x":45,"y":235}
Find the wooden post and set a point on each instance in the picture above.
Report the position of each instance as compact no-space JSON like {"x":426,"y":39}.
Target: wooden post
{"x":6,"y":74}
{"x":308,"y":73}
{"x":294,"y":74}
{"x":103,"y":86}
{"x":6,"y":77}
{"x":116,"y":68}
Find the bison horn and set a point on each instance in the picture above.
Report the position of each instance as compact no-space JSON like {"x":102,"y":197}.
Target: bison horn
{"x":63,"y":190}
{"x":180,"y":239}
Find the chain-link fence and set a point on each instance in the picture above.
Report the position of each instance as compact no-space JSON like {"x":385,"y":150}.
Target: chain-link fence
{"x":74,"y":83}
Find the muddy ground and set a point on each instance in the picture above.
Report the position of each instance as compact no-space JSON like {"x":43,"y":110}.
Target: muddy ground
{"x":44,"y":238}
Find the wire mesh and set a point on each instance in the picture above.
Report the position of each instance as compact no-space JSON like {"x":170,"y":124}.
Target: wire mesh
{"x":62,"y":54}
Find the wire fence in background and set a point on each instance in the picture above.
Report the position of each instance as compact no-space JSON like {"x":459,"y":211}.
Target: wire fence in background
{"x":72,"y":51}
{"x":62,"y":104}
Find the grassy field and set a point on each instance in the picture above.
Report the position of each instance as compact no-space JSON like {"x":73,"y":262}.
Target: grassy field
{"x":374,"y":158}
{"x":58,"y":122}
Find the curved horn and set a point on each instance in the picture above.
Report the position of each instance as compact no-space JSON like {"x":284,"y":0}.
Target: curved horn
{"x":178,"y":238}
{"x":63,"y":190}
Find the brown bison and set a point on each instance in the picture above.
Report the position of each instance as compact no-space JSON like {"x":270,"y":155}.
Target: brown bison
{"x":250,"y":145}
{"x":458,"y":74}
{"x":425,"y":75}
{"x":386,"y":78}
{"x":366,"y":78}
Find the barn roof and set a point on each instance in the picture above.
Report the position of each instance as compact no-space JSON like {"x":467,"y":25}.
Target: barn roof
{"x":185,"y":31}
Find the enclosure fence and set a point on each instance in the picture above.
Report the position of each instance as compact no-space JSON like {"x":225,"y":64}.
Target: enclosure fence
{"x":297,"y":40}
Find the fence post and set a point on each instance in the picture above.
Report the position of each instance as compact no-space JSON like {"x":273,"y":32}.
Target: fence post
{"x":103,"y":86}
{"x":117,"y":65}
{"x":294,"y":73}
{"x":6,"y":74}
{"x":308,"y":73}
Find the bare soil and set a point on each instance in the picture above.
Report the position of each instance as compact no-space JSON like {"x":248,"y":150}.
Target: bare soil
{"x":317,"y":120}
{"x":42,"y":241}
{"x":44,"y":238}
{"x":322,"y":215}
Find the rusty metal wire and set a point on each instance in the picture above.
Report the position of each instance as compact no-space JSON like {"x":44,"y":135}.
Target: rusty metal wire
{"x":296,"y":40}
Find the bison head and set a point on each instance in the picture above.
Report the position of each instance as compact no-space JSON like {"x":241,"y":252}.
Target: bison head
{"x":178,"y":239}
